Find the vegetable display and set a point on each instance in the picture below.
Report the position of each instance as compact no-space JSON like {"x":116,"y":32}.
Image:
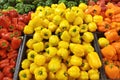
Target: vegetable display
{"x":62,"y":43}
{"x":11,"y":26}
{"x":61,"y":46}
{"x":110,"y":41}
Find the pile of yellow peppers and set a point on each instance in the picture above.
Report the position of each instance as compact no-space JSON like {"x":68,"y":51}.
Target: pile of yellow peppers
{"x":61,"y":45}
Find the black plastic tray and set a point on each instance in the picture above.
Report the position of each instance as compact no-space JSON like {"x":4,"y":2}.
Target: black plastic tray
{"x":22,"y":55}
{"x":19,"y":52}
{"x":97,"y":48}
{"x":97,"y":36}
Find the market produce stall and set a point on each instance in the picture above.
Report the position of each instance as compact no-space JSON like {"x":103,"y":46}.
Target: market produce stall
{"x":59,"y":40}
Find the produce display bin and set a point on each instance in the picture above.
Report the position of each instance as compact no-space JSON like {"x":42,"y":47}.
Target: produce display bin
{"x":97,"y":48}
{"x":19,"y":58}
{"x":97,"y":36}
{"x":23,"y":55}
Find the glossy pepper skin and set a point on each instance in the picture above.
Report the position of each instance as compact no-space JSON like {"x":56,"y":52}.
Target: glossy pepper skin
{"x":40,"y":73}
{"x":25,"y":74}
{"x":94,"y":60}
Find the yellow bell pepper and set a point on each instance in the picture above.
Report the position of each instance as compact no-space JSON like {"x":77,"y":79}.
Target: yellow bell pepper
{"x":51,"y":76}
{"x":39,"y":59}
{"x":88,"y":37}
{"x":40,"y":8}
{"x":77,"y":49}
{"x":63,"y":44}
{"x":63,"y":53}
{"x":75,"y":60}
{"x":70,"y":16}
{"x":92,"y":27}
{"x":57,"y":19}
{"x":39,"y":46}
{"x":83,"y":6}
{"x":52,"y":27}
{"x":83,"y":75}
{"x":88,"y":48}
{"x":33,"y":66}
{"x":74,"y":30}
{"x":88,"y":18}
{"x":65,"y":36}
{"x":85,"y":66}
{"x":25,"y":75}
{"x":37,"y":37}
{"x":62,"y":75}
{"x":83,"y":28}
{"x":76,"y":39}
{"x":30,"y":43}
{"x":54,"y":64}
{"x":97,"y":18}
{"x":45,"y":23}
{"x":94,"y":60}
{"x":58,"y":32}
{"x":28,"y":50}
{"x":28,"y":30}
{"x":74,"y":71}
{"x":31,"y":55}
{"x":64,"y":25}
{"x":79,"y":13}
{"x":25,"y":64}
{"x":45,"y":33}
{"x":40,"y":73}
{"x":51,"y":51}
{"x":53,"y":40}
{"x":94,"y":74}
{"x":78,"y":21}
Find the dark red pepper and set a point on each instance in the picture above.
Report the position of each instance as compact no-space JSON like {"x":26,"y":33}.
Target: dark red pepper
{"x":20,"y":26}
{"x":12,"y":54}
{"x":3,"y":54}
{"x":1,"y":75}
{"x":3,"y":31}
{"x":7,"y":78}
{"x":8,"y":71}
{"x":13,"y":13}
{"x":15,"y":43}
{"x":4,"y":63}
{"x":17,"y":33}
{"x":3,"y":43}
{"x":8,"y":36}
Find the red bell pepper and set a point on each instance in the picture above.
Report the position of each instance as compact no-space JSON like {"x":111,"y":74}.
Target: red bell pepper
{"x":3,"y":43}
{"x":13,"y":13}
{"x":13,"y":62}
{"x":20,"y":26}
{"x":3,"y":31}
{"x":1,"y":75}
{"x":17,"y":33}
{"x":11,"y":27}
{"x":8,"y":36}
{"x":8,"y":71}
{"x":12,"y":54}
{"x":15,"y":43}
{"x":5,"y":21}
{"x":7,"y":78}
{"x":4,"y":63}
{"x":3,"y":54}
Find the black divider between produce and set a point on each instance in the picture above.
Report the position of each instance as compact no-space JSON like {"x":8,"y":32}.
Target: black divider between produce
{"x":22,"y":55}
{"x":19,"y":58}
{"x":97,"y":49}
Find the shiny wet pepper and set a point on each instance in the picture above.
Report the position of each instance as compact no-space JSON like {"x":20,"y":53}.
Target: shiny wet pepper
{"x":25,"y":74}
{"x":94,"y":60}
{"x":40,"y":73}
{"x":97,"y":18}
